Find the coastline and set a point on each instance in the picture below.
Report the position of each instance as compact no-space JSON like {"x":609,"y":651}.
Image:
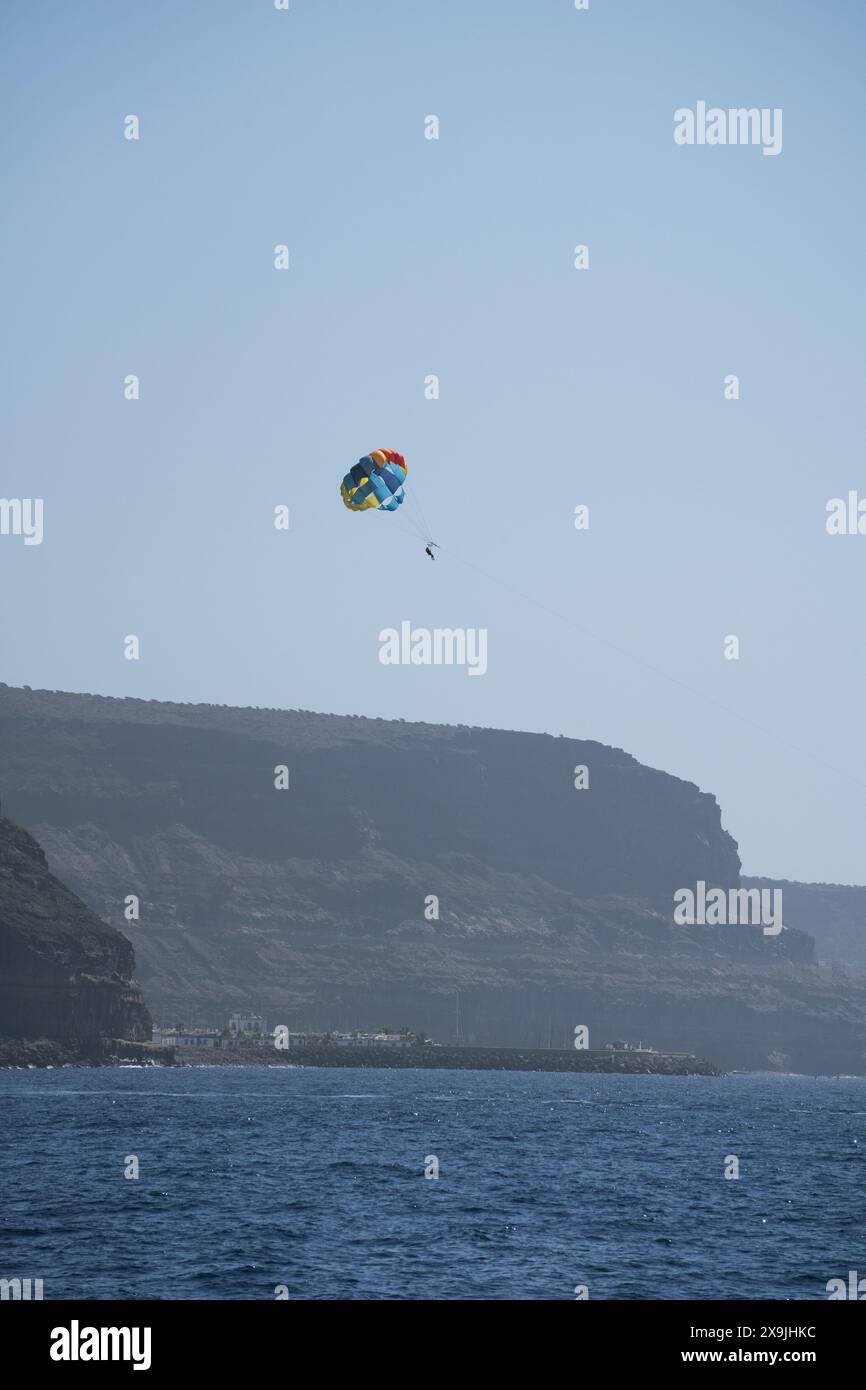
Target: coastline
{"x":21,"y":1053}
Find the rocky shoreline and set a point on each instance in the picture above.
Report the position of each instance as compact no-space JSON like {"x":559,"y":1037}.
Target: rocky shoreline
{"x":55,"y":1052}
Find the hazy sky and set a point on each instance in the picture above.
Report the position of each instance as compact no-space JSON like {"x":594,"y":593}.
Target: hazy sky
{"x":558,"y":387}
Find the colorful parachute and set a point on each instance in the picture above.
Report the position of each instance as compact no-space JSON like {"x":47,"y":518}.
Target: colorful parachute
{"x":376,"y":480}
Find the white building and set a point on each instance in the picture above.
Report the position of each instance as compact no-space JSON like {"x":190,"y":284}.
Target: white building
{"x":187,"y":1037}
{"x":371,"y":1040}
{"x":246,"y":1023}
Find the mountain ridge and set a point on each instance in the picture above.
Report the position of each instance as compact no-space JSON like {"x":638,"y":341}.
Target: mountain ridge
{"x":555,"y":904}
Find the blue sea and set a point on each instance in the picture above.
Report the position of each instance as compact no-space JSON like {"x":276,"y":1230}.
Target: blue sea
{"x":313,"y":1180}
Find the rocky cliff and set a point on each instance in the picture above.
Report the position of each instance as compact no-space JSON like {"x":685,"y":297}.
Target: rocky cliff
{"x":64,"y":974}
{"x":833,"y":913}
{"x":317,"y":904}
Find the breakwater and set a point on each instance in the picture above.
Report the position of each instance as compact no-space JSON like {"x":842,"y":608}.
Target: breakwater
{"x":463,"y":1058}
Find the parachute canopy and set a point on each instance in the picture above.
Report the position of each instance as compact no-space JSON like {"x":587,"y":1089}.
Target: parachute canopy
{"x":375,"y":481}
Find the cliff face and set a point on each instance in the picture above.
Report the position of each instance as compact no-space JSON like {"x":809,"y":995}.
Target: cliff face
{"x":64,"y":974}
{"x":833,"y":913}
{"x":308,"y":904}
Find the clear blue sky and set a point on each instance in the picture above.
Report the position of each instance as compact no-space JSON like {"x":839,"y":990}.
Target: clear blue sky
{"x":558,"y":387}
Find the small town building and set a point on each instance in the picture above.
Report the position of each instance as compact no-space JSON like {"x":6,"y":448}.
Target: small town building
{"x":246,"y":1023}
{"x":371,"y":1039}
{"x":187,"y":1037}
